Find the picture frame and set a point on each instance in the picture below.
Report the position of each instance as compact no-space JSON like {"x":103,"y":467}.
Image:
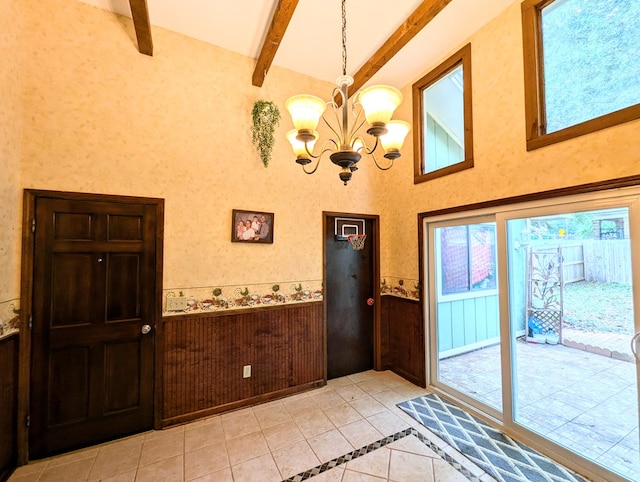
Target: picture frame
{"x":251,"y":226}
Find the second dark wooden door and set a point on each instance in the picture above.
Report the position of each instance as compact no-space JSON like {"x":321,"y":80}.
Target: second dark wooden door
{"x":349,"y":284}
{"x":93,"y":293}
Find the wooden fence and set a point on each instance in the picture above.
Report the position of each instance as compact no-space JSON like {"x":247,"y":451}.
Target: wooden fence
{"x":573,"y":263}
{"x":607,"y":261}
{"x":600,"y":260}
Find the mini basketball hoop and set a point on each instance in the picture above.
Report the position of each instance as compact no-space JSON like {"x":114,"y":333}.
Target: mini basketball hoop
{"x":357,"y":241}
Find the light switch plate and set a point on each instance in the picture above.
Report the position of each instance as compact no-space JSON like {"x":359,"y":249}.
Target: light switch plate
{"x":246,"y":371}
{"x":176,"y":303}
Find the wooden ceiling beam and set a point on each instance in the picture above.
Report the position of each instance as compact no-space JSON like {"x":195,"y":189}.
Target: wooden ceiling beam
{"x":401,"y":37}
{"x":279,"y":23}
{"x":142,"y":25}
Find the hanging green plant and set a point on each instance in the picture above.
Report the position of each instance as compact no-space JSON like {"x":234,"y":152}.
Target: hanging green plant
{"x":266,"y":117}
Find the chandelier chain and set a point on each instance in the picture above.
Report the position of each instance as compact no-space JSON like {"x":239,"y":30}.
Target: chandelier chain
{"x":344,"y":37}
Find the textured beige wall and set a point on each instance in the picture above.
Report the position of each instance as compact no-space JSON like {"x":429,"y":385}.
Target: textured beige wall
{"x":102,"y":118}
{"x":10,"y":156}
{"x":503,"y":167}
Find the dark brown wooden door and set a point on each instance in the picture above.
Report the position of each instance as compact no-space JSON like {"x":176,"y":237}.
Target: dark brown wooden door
{"x":349,"y":283}
{"x":93,"y":292}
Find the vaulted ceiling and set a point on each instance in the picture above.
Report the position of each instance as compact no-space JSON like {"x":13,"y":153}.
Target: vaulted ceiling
{"x":383,"y":38}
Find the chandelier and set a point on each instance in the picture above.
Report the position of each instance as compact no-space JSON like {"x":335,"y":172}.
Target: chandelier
{"x":374,"y":105}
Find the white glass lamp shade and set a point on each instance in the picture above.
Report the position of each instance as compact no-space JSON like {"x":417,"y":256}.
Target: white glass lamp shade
{"x":298,"y":146}
{"x":397,"y":131}
{"x":358,"y":145}
{"x":379,"y":102}
{"x":305,"y":111}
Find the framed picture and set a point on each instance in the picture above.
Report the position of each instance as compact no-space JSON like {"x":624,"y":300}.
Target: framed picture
{"x":251,"y":226}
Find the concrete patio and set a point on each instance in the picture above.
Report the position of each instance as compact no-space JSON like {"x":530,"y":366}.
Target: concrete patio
{"x":583,"y":400}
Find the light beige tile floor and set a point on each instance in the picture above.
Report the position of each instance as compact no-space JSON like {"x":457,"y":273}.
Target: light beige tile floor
{"x":274,"y":441}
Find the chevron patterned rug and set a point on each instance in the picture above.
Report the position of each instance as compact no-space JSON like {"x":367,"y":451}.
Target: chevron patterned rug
{"x":500,"y":456}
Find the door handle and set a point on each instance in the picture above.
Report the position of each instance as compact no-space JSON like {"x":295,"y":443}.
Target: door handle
{"x":145,"y":329}
{"x":634,"y":344}
{"x":370,"y":301}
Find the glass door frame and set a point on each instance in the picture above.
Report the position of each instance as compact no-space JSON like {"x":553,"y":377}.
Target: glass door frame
{"x":431,"y":246}
{"x":517,"y":208}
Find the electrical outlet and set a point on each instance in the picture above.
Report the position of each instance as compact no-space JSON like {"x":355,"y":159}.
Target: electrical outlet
{"x":176,"y":303}
{"x":246,"y":371}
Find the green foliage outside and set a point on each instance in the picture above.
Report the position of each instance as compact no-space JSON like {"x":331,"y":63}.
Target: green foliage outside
{"x":573,"y":226}
{"x":591,"y":63}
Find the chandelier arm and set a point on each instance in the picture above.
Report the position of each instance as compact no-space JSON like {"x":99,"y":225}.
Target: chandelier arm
{"x":309,"y":153}
{"x":333,"y":129}
{"x":336,"y":146}
{"x":374,"y":148}
{"x":376,"y":160}
{"x":366,"y":147}
{"x":337,"y":92}
{"x":355,"y":102}
{"x":357,"y":121}
{"x":314,"y":169}
{"x":340,"y":93}
{"x":325,"y":148}
{"x":318,"y":157}
{"x":357,"y":126}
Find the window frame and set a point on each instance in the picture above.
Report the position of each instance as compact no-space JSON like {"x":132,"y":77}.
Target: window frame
{"x":535,"y":109}
{"x":461,"y":57}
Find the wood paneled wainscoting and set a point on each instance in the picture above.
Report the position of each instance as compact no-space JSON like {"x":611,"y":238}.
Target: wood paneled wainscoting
{"x":402,"y":338}
{"x":204,"y":355}
{"x":8,"y":404}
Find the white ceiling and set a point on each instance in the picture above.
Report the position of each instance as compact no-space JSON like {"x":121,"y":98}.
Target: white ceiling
{"x":312,"y":43}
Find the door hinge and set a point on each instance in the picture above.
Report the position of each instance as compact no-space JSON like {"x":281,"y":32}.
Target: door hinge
{"x":30,"y":321}
{"x":28,"y":421}
{"x":33,"y":225}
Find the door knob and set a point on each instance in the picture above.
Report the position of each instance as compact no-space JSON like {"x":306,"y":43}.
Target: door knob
{"x":146,"y":329}
{"x":370,"y":301}
{"x":634,"y":344}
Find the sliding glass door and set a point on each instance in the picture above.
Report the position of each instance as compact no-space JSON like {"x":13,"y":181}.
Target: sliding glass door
{"x":465,"y":310}
{"x":531,"y":311}
{"x":574,"y":379}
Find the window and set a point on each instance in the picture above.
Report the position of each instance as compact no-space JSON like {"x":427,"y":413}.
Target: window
{"x":582,"y":72}
{"x":468,"y":258}
{"x":443,"y":141}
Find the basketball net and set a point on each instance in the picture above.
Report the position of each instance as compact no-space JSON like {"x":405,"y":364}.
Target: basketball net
{"x":357,"y":241}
